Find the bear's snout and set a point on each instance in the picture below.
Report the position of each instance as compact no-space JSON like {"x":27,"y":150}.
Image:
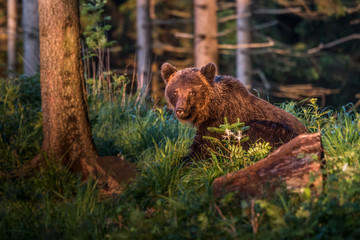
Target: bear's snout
{"x":180,"y":111}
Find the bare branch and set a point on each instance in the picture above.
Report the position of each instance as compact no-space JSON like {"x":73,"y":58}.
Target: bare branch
{"x":262,"y":77}
{"x":177,"y":13}
{"x":254,"y":28}
{"x":352,"y":10}
{"x":171,"y":21}
{"x":169,"y":48}
{"x":278,"y":11}
{"x":184,"y":35}
{"x":265,"y":25}
{"x":226,"y":32}
{"x":287,"y":50}
{"x":226,"y":5}
{"x":333,"y":43}
{"x":233,"y":17}
{"x":271,"y":43}
{"x":261,"y":12}
{"x":355,"y":21}
{"x":291,"y":5}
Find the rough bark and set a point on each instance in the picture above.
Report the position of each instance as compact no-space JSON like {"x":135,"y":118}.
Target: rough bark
{"x":205,"y":28}
{"x":11,"y":30}
{"x":143,"y":45}
{"x":243,"y":62}
{"x":30,"y":25}
{"x":66,"y":127}
{"x":292,"y":164}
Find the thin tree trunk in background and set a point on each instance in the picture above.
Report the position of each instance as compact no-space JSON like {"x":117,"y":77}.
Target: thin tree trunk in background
{"x":30,"y":24}
{"x":205,"y":28}
{"x":143,"y":45}
{"x":11,"y":29}
{"x":243,"y":62}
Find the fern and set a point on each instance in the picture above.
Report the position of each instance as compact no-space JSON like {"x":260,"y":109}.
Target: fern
{"x":230,"y":147}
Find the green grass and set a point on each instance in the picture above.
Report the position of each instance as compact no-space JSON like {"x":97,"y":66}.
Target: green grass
{"x":169,"y":199}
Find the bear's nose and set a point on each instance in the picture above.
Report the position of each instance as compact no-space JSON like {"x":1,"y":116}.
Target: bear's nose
{"x":180,"y":111}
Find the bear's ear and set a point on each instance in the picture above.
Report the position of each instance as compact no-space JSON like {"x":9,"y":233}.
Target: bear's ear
{"x":166,"y":70}
{"x":209,"y":72}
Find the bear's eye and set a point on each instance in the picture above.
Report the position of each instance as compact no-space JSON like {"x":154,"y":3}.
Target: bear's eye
{"x":191,"y":93}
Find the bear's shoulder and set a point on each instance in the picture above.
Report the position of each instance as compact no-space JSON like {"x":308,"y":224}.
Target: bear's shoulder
{"x":229,"y":82}
{"x":223,"y":78}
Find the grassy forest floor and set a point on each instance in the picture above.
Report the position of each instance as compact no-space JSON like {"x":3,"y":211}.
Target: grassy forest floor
{"x":169,"y":199}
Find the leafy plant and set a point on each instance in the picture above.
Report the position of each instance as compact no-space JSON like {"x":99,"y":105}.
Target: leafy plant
{"x":97,"y":26}
{"x":95,"y":57}
{"x":310,"y":114}
{"x":231,"y":146}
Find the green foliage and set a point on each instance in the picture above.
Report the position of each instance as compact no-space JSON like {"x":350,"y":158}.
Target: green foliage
{"x":20,"y":121}
{"x":310,"y":114}
{"x":231,"y":146}
{"x":330,"y":8}
{"x":341,"y":139}
{"x":323,"y":22}
{"x":35,"y":209}
{"x":340,"y":131}
{"x":133,"y":130}
{"x":96,"y":56}
{"x":96,"y":25}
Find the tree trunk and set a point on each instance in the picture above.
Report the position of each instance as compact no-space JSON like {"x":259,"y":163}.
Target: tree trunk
{"x":30,"y":24}
{"x":66,"y":127}
{"x":143,"y":46}
{"x":291,"y":164}
{"x":243,"y":62}
{"x":205,"y":28}
{"x":11,"y":29}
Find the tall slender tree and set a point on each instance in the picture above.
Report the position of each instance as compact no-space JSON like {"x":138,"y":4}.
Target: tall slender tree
{"x":30,"y":25}
{"x":243,"y":62}
{"x":143,"y":45}
{"x":205,"y":28}
{"x":11,"y":30}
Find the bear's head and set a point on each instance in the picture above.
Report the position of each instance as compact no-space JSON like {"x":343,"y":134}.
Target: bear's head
{"x":188,"y":91}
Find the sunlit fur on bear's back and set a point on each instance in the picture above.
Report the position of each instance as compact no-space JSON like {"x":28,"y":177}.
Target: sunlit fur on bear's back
{"x":266,"y":121}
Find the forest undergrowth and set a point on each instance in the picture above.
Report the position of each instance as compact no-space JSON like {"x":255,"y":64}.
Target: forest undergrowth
{"x":169,"y":199}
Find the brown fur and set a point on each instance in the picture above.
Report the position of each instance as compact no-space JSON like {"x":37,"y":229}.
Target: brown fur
{"x":197,"y":98}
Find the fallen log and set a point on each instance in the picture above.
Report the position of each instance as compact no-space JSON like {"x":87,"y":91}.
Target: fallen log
{"x":293,"y":164}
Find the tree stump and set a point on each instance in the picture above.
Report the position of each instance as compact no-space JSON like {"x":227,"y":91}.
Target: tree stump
{"x":293,"y":164}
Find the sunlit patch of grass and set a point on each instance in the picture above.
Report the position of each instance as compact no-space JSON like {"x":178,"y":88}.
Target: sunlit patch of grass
{"x":134,"y":130}
{"x":341,"y":139}
{"x":310,"y":114}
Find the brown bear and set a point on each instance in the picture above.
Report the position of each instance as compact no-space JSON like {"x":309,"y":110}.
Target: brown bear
{"x":203,"y":99}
